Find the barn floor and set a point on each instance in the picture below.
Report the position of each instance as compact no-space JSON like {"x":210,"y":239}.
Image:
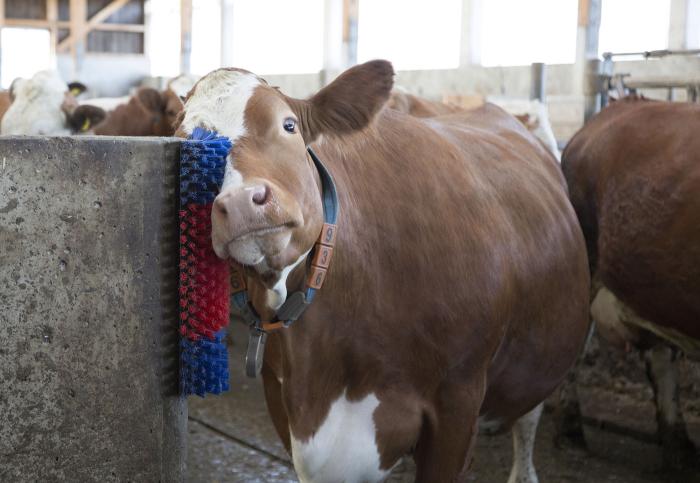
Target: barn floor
{"x":231,"y":439}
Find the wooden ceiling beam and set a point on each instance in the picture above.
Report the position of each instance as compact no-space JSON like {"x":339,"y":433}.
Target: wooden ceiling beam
{"x":93,"y":22}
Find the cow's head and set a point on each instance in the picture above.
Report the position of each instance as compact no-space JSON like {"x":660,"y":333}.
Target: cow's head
{"x":162,"y":110}
{"x":269,"y":213}
{"x":85,"y":117}
{"x":37,"y":106}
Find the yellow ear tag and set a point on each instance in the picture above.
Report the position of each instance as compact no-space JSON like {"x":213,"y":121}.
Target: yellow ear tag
{"x":86,"y":125}
{"x":75,"y":91}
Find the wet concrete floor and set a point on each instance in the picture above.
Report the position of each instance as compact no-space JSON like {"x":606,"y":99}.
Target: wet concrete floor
{"x":231,"y":439}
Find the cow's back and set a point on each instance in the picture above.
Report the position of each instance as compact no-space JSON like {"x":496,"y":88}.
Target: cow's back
{"x":634,"y":178}
{"x":464,"y":226}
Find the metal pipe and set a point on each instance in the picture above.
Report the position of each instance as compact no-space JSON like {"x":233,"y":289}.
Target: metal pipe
{"x":593,"y":86}
{"x":538,"y":81}
{"x":648,"y":54}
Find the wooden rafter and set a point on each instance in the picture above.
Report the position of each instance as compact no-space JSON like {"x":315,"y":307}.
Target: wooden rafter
{"x":95,"y":21}
{"x":36,"y":23}
{"x":64,"y":24}
{"x":52,"y":18}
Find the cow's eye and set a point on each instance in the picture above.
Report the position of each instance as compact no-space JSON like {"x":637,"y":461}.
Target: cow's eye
{"x":290,"y":125}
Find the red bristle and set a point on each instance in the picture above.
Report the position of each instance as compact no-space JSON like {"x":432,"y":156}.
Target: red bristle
{"x":204,"y":278}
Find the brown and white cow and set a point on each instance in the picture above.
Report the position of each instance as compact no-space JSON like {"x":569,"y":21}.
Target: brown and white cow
{"x":634,"y":177}
{"x":459,"y":284}
{"x":148,"y":112}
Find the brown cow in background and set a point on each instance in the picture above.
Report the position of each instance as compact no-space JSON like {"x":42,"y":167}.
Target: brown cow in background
{"x":148,"y":113}
{"x":402,"y":101}
{"x":634,"y":180}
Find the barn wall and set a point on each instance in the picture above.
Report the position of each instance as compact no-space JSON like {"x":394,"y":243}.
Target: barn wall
{"x":107,"y":75}
{"x":565,"y":107}
{"x":88,"y":310}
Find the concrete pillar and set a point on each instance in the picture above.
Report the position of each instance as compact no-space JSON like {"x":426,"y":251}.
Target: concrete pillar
{"x":692,"y":27}
{"x":334,"y":61}
{"x":88,"y":310}
{"x":585,"y":83}
{"x":227,"y":59}
{"x":538,"y":81}
{"x":350,"y":19}
{"x":185,"y":36}
{"x":470,"y":43}
{"x":677,"y":33}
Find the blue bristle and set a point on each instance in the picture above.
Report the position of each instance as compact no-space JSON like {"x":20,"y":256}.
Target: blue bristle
{"x":203,"y":362}
{"x":204,"y":366}
{"x":202,"y":166}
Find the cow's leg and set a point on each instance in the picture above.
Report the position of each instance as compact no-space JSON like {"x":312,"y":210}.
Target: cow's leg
{"x":662,"y":371}
{"x":524,"y":431}
{"x":444,"y":449}
{"x":568,"y":421}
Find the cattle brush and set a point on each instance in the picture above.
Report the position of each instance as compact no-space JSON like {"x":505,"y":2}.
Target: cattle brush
{"x":204,"y":278}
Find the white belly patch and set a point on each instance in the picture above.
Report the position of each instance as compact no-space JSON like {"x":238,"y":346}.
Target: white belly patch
{"x":344,"y":448}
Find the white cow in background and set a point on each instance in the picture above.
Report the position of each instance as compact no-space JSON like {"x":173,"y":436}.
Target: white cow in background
{"x":38,"y":106}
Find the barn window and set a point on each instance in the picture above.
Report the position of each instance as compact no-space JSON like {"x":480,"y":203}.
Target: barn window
{"x":164,"y":37}
{"x":206,"y":36}
{"x":27,"y":51}
{"x":634,"y":25}
{"x":515,"y":32}
{"x":412,"y":34}
{"x":278,"y":36}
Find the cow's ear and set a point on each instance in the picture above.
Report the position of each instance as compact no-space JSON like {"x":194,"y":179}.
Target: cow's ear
{"x":150,"y":99}
{"x":86,"y":117}
{"x":76,"y":88}
{"x":347,"y":104}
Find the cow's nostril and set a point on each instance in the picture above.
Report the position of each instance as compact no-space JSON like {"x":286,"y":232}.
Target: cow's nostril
{"x":261,"y":194}
{"x":220,"y":206}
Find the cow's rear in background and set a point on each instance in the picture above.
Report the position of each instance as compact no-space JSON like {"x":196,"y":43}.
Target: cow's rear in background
{"x":634,"y":177}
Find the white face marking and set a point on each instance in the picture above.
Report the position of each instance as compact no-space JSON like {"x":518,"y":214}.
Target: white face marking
{"x":218,"y":103}
{"x":37,"y":107}
{"x":232,"y":178}
{"x":343,"y":448}
{"x":278,"y":294}
{"x":524,"y":432}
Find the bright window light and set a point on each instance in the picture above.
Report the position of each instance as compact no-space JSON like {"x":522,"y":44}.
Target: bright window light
{"x":24,"y":53}
{"x":412,"y":34}
{"x":517,"y":32}
{"x":206,"y":36}
{"x":164,"y":37}
{"x":634,"y":25}
{"x":278,"y":36}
